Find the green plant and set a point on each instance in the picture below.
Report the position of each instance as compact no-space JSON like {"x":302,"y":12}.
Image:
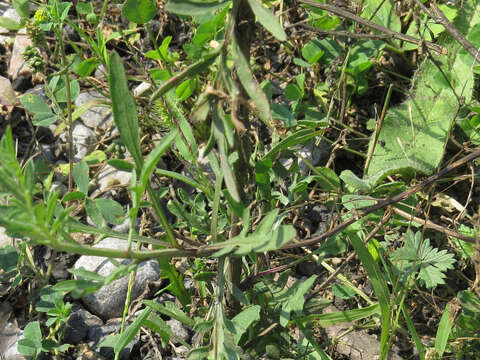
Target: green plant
{"x":228,"y":224}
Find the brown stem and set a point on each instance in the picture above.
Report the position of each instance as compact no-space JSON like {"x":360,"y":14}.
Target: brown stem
{"x":393,"y":34}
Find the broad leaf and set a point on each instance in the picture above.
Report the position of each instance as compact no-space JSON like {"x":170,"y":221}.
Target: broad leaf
{"x":139,"y":11}
{"x":414,"y":134}
{"x":80,"y":175}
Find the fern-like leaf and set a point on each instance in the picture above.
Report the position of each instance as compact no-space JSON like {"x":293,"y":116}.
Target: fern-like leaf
{"x":419,"y":258}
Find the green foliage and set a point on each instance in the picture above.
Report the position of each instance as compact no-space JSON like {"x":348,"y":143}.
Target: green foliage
{"x":415,"y":132}
{"x":417,"y":259}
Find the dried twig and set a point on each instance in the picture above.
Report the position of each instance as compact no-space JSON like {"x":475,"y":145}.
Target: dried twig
{"x":348,"y":15}
{"x":437,"y":15}
{"x":362,"y":212}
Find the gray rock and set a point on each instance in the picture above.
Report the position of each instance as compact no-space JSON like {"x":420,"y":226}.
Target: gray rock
{"x":60,"y":187}
{"x":357,"y":345}
{"x":84,"y":140}
{"x":178,"y":330}
{"x":109,"y":177}
{"x":4,"y":5}
{"x":181,"y":352}
{"x":96,"y":335}
{"x":10,"y":334}
{"x":96,"y":116}
{"x":80,"y":323}
{"x":313,"y":154}
{"x":100,"y":72}
{"x":109,"y":301}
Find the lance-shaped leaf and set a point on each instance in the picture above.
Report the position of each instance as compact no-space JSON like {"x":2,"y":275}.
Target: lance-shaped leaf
{"x":183,"y":7}
{"x":268,"y":20}
{"x":250,"y":85}
{"x":124,"y":109}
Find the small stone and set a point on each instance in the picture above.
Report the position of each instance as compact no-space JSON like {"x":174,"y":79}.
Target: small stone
{"x":100,"y":72}
{"x":108,"y":302}
{"x":7,"y":95}
{"x":60,"y":187}
{"x":110,"y":177}
{"x":17,"y":64}
{"x":96,"y":116}
{"x":96,"y":335}
{"x":181,"y":352}
{"x":79,"y":323}
{"x":357,"y":345}
{"x":178,"y":330}
{"x":84,"y":140}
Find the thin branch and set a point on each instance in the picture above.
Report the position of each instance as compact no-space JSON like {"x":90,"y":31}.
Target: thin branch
{"x":362,"y":212}
{"x":437,"y":15}
{"x":396,"y":35}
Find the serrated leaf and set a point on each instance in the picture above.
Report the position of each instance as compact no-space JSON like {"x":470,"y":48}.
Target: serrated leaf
{"x":244,"y":319}
{"x":268,"y":20}
{"x":265,"y":238}
{"x":418,"y":255}
{"x":294,"y":298}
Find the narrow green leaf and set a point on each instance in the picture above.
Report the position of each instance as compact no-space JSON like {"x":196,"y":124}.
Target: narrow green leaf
{"x":80,"y":175}
{"x":250,"y":85}
{"x":124,"y":109}
{"x":131,"y":331}
{"x":296,"y":138}
{"x":413,"y":333}
{"x":170,"y":309}
{"x":379,"y":286}
{"x":121,"y":165}
{"x":339,"y":317}
{"x":187,"y":180}
{"x":443,"y":331}
{"x":139,"y":11}
{"x":191,"y":8}
{"x":154,"y":157}
{"x":268,"y":20}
